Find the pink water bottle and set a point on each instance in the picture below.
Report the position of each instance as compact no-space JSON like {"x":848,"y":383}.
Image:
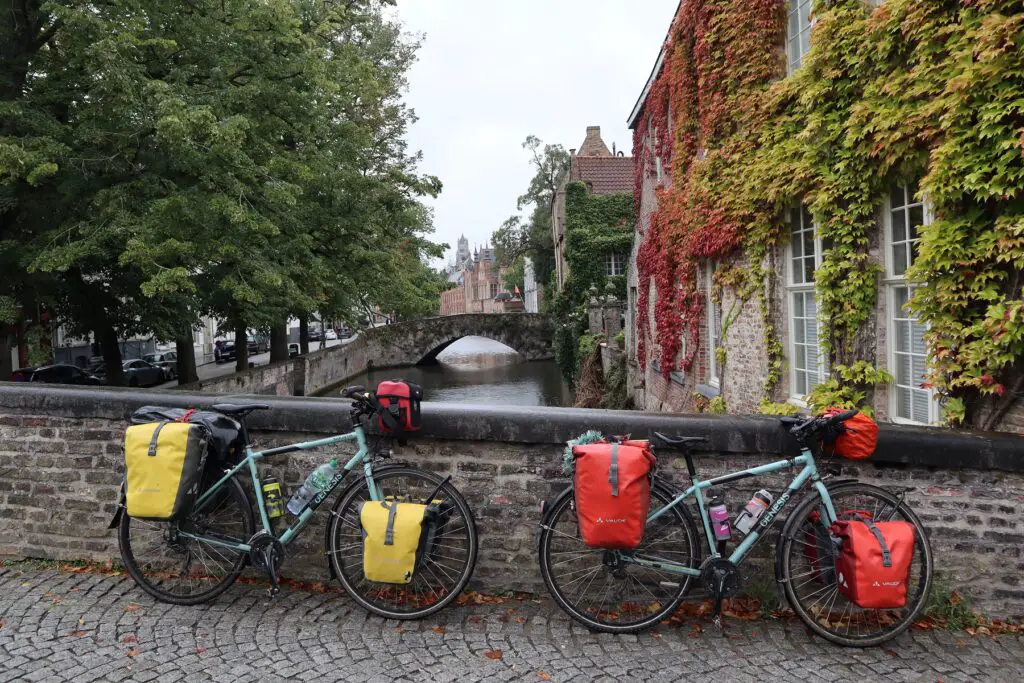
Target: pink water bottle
{"x":719,"y":519}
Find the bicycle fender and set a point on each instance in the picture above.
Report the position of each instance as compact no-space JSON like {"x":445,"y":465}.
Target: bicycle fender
{"x":121,"y":502}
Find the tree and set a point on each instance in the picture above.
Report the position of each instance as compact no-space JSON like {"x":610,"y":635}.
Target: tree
{"x":164,"y":161}
{"x":533,"y":236}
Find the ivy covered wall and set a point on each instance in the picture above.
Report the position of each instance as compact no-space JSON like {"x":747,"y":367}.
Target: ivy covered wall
{"x":925,"y":92}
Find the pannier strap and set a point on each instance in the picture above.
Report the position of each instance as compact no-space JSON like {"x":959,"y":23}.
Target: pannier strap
{"x":613,"y":471}
{"x":389,"y":533}
{"x":152,"y":443}
{"x":876,"y":532}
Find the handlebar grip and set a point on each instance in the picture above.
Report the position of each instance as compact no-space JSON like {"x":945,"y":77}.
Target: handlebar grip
{"x":841,"y":417}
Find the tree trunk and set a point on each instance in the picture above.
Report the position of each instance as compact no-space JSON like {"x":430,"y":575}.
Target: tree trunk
{"x":241,"y":349}
{"x":111,"y":351}
{"x":184,"y":345}
{"x":303,"y":335}
{"x":279,"y":343}
{"x":6,"y":362}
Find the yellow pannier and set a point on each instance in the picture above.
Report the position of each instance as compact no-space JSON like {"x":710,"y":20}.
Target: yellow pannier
{"x":391,"y":539}
{"x":165,"y":465}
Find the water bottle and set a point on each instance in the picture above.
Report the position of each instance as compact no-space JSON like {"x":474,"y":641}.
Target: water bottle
{"x":317,"y":481}
{"x":719,"y":519}
{"x":752,"y":512}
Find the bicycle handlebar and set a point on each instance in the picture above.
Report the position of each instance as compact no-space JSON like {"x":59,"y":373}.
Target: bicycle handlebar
{"x":801,"y":427}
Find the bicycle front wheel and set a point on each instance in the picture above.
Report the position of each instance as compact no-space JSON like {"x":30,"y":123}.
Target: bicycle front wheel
{"x":808,"y":568}
{"x":185,"y":571}
{"x":442,"y":571}
{"x":601,"y":591}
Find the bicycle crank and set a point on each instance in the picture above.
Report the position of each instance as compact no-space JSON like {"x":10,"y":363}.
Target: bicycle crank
{"x":266,"y":554}
{"x":722,"y":579}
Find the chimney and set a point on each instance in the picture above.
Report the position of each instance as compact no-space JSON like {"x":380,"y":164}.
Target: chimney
{"x":594,"y":146}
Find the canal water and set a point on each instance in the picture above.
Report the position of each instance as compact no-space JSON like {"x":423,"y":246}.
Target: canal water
{"x":479,"y":370}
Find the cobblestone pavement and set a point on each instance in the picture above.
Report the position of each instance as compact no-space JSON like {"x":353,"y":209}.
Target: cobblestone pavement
{"x":58,"y":626}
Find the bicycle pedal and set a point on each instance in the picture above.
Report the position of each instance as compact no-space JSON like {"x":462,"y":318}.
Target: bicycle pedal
{"x":273,"y":591}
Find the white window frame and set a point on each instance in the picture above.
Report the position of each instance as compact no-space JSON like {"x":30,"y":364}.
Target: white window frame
{"x":792,"y":64}
{"x":891,"y":283}
{"x":613,"y":261}
{"x":713,"y":340}
{"x":792,"y":288}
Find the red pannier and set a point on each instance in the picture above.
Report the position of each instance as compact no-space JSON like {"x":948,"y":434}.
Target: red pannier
{"x":856,"y":437}
{"x":613,"y":493}
{"x":820,"y":547}
{"x":873,"y":563}
{"x":399,"y":405}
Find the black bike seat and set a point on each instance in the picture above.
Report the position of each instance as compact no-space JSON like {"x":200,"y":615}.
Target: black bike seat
{"x":680,"y":442}
{"x":235,"y":409}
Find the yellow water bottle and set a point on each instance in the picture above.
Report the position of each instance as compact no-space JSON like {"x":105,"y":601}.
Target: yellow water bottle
{"x":272,"y":497}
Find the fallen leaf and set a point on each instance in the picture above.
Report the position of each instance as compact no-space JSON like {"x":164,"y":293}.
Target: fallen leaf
{"x":132,"y":607}
{"x":891,"y":653}
{"x":2,"y":623}
{"x":134,"y":652}
{"x":438,"y":629}
{"x":494,"y":654}
{"x":200,"y":650}
{"x":475,"y":619}
{"x":81,"y":620}
{"x":27,"y":584}
{"x":520,"y":620}
{"x":543,"y":675}
{"x":129,"y":639}
{"x":399,"y":629}
{"x":79,"y":634}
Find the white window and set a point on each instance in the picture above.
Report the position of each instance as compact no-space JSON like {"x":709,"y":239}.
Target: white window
{"x":908,"y":355}
{"x":798,"y":34}
{"x":614,"y":264}
{"x":714,"y":326}
{"x":807,"y":367}
{"x":652,"y":145}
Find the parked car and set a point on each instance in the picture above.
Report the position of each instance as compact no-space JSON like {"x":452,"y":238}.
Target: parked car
{"x":139,"y":373}
{"x":316,"y":334}
{"x":331,"y":335}
{"x":56,"y":374}
{"x":167,"y":360}
{"x":293,"y":350}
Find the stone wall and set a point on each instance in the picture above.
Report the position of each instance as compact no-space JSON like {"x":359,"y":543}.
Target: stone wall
{"x":61,"y":464}
{"x":286,"y":378}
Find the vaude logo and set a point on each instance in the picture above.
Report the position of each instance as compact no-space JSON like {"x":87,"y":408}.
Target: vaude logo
{"x":877,"y":584}
{"x":602,"y":520}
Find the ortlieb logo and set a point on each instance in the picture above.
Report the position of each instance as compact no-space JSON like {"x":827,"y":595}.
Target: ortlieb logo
{"x":609,"y":520}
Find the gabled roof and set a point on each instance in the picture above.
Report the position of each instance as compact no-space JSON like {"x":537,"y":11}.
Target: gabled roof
{"x":604,"y":175}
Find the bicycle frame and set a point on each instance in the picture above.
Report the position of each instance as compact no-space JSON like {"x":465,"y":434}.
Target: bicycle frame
{"x":251,"y":457}
{"x":808,"y":473}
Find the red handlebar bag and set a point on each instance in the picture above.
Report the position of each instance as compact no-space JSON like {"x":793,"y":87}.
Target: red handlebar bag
{"x":613,"y":494}
{"x":857,"y":436}
{"x":873,"y":564}
{"x":399,"y":406}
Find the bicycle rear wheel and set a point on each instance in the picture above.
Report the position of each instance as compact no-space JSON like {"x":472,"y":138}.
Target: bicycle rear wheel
{"x":604,"y":594}
{"x":184,"y":571}
{"x":442,"y":572}
{"x":808,"y":560}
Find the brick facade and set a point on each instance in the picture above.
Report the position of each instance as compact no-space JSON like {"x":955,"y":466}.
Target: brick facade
{"x":740,"y":381}
{"x":479,"y":281}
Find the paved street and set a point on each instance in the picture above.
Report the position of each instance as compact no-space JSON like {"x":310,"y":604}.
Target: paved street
{"x":58,"y":626}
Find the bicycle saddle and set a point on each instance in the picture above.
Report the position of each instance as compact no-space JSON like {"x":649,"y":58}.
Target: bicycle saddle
{"x":236,"y":410}
{"x":680,"y":442}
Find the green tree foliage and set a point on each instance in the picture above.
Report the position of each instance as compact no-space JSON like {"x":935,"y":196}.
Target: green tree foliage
{"x":160,"y":161}
{"x":532,"y":236}
{"x":596,"y":226}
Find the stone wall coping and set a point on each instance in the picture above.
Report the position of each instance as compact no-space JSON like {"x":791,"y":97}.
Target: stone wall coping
{"x":897,"y":444}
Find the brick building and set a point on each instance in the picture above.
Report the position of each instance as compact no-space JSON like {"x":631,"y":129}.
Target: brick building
{"x":603,"y":171}
{"x":894,"y":338}
{"x":478,"y":282}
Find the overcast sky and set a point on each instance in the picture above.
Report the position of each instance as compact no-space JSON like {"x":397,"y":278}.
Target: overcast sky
{"x":491,"y":72}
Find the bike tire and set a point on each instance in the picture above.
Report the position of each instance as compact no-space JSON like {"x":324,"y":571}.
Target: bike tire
{"x":154,"y":577}
{"x":562,"y":513}
{"x":805,"y":580}
{"x":409,"y":601}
